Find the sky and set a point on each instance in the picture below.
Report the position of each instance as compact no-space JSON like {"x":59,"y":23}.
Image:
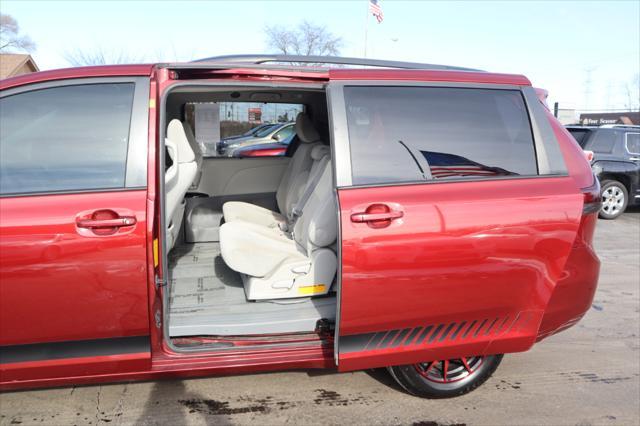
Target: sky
{"x":586,"y":53}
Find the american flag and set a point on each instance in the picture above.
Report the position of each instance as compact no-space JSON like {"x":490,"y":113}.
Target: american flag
{"x":376,"y":10}
{"x":448,"y":165}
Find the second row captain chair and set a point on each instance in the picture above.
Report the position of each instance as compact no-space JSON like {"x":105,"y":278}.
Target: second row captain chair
{"x":291,"y":185}
{"x":299,"y":263}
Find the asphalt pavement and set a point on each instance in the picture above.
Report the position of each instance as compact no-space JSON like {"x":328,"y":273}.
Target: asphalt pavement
{"x":587,"y":375}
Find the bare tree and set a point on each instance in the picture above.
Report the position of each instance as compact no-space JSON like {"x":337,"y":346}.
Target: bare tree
{"x":306,"y":39}
{"x":99,"y":56}
{"x":10,"y":38}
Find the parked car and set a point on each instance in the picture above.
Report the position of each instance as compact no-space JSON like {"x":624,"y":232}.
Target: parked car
{"x":127,"y":255}
{"x":614,"y":152}
{"x":252,"y":131}
{"x":263,"y":150}
{"x":267,"y":135}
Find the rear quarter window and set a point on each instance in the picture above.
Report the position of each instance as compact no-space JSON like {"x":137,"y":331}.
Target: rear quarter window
{"x":632,"y":143}
{"x":65,"y":138}
{"x":580,"y":135}
{"x":603,"y":142}
{"x":404,"y":134}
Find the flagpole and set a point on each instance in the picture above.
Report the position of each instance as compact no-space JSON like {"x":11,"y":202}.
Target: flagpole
{"x":366,"y":29}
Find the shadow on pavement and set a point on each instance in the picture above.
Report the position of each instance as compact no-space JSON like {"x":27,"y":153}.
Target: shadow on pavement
{"x":382,"y":376}
{"x":171,"y":403}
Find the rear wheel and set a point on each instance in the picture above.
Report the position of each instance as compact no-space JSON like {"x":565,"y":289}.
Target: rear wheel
{"x":614,"y":199}
{"x":445,"y":378}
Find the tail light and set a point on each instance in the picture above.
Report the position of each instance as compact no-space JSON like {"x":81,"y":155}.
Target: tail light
{"x":592,"y":198}
{"x":588,"y":155}
{"x":590,"y":209}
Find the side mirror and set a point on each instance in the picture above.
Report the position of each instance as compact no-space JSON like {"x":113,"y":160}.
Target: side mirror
{"x":276,"y":137}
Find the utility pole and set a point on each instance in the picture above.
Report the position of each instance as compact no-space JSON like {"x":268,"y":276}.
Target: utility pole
{"x":555,"y":109}
{"x":366,"y":29}
{"x":587,"y":85}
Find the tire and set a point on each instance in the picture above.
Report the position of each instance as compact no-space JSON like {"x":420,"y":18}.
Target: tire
{"x":615,"y":198}
{"x":425,"y":379}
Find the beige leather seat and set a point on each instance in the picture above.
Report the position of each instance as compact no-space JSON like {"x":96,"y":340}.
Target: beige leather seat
{"x":275,"y":264}
{"x":291,"y":185}
{"x":197,"y":152}
{"x":178,"y":178}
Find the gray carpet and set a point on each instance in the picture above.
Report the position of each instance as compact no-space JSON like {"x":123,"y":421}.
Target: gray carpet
{"x":206,"y":298}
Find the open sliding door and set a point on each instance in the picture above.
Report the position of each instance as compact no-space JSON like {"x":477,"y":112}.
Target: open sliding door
{"x":457,"y":217}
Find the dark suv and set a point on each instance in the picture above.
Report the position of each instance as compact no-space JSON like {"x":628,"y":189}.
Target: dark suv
{"x":615,"y":161}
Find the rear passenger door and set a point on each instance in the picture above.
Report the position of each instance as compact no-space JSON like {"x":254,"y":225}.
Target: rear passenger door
{"x":73,"y":258}
{"x":457,"y":216}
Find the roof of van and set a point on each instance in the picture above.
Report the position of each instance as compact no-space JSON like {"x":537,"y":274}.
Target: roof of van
{"x":261,"y":66}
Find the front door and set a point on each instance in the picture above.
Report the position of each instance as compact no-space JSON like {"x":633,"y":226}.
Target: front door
{"x":73,"y":263}
{"x":454,"y":226}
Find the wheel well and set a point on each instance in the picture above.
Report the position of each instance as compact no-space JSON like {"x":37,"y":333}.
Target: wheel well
{"x":623,"y":179}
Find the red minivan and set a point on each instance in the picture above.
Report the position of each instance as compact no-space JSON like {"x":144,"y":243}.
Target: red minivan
{"x":425,"y":218}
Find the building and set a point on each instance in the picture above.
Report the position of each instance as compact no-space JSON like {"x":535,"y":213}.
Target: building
{"x":600,"y":118}
{"x":13,"y":64}
{"x":567,"y":116}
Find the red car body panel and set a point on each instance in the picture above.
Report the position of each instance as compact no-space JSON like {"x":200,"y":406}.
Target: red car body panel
{"x":461,"y":252}
{"x":164,"y":365}
{"x":68,"y":283}
{"x":429,"y":75}
{"x":557,"y":280}
{"x":80,"y":72}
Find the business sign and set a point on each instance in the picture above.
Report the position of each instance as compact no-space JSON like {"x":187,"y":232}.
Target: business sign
{"x":599,"y":119}
{"x":255,"y":115}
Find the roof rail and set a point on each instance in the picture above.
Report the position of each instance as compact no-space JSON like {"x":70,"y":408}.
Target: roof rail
{"x":611,"y":126}
{"x":335,"y":60}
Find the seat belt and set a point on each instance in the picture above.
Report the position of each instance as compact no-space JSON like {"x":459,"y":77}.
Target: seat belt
{"x":296,"y":212}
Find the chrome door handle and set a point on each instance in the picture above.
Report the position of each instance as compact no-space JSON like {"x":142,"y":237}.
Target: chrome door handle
{"x":372,"y":217}
{"x":106,"y":223}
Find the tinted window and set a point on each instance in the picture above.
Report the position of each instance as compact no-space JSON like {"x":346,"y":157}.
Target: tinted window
{"x":408,"y":133}
{"x":65,"y":138}
{"x":580,"y":135}
{"x":632,"y":142}
{"x":603,"y":141}
{"x":218,"y":126}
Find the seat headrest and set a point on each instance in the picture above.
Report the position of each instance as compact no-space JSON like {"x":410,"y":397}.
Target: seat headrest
{"x":319,"y":151}
{"x":176,"y":134}
{"x":305,"y":129}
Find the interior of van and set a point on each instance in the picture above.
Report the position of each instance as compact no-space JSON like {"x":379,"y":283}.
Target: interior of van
{"x":250,"y":242}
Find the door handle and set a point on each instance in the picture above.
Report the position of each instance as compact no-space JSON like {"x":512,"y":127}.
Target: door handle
{"x":373,"y":217}
{"x":106,"y":223}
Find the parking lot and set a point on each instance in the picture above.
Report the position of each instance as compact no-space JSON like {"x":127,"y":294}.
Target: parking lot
{"x":588,"y":375}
